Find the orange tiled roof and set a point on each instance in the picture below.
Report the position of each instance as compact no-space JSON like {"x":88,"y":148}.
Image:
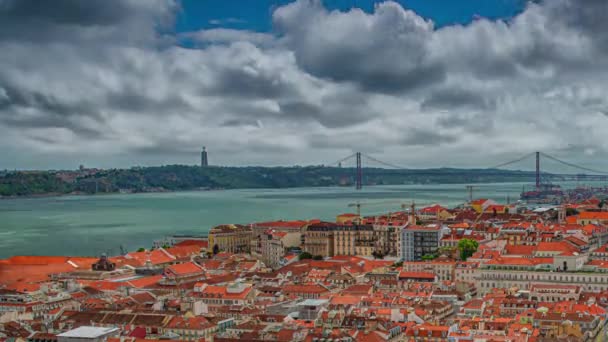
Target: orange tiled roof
{"x":145,"y":281}
{"x":282,"y":224}
{"x":519,"y":249}
{"x":157,"y":257}
{"x":185,"y":268}
{"x":520,"y":261}
{"x":191,"y":323}
{"x":345,"y":300}
{"x":432,"y":209}
{"x":199,"y":243}
{"x":223,"y":292}
{"x":560,"y":246}
{"x":184,"y":251}
{"x":417,"y":275}
{"x":295,"y":289}
{"x":594,"y":215}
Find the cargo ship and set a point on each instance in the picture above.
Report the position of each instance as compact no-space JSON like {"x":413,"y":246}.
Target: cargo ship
{"x":545,"y":193}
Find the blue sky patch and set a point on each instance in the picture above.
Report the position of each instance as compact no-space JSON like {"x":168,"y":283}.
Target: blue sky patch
{"x":255,"y":15}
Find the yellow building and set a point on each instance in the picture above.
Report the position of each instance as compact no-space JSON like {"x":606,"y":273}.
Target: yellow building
{"x":354,"y":240}
{"x":435,"y":212}
{"x":479,"y":205}
{"x":319,"y":239}
{"x":230,"y":238}
{"x":348,"y":217}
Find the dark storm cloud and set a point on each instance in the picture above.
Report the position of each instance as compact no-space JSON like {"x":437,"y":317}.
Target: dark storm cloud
{"x":344,"y":142}
{"x":134,"y":101}
{"x":588,"y":17}
{"x":383,"y":52}
{"x":99,"y":78}
{"x":68,"y":20}
{"x":50,"y":111}
{"x":240,"y":123}
{"x":450,"y":98}
{"x":342,"y":109}
{"x":419,"y":137}
{"x":70,"y":12}
{"x":244,"y":83}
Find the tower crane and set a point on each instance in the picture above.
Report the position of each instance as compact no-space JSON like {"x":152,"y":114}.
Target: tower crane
{"x":403,"y":204}
{"x":470,"y":189}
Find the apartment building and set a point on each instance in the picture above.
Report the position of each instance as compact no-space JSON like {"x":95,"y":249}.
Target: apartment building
{"x":418,"y":241}
{"x":319,"y":239}
{"x":274,"y":245}
{"x":231,"y":238}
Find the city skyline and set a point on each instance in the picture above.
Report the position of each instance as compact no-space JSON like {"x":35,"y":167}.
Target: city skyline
{"x":301,"y":82}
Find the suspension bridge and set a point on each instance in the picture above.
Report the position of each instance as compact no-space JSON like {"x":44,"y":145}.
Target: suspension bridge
{"x":581,"y":172}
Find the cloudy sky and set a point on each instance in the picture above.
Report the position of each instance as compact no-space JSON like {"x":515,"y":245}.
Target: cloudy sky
{"x":416,"y":83}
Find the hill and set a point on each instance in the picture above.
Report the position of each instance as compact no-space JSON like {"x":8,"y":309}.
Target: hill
{"x":183,"y":177}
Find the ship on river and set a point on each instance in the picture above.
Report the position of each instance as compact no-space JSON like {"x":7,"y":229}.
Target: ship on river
{"x":544,"y":193}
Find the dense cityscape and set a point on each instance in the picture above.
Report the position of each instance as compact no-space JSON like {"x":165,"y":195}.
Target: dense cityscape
{"x":303,"y":170}
{"x":483,"y":271}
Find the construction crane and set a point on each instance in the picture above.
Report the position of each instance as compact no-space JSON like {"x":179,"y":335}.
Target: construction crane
{"x":357,"y":205}
{"x":403,"y":204}
{"x":470,"y":189}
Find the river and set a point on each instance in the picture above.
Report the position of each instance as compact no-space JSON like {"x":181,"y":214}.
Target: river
{"x":91,"y":225}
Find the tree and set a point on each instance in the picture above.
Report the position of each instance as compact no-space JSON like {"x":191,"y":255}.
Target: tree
{"x":601,"y":204}
{"x":467,"y":247}
{"x":317,"y":257}
{"x":398,"y":264}
{"x":305,"y":255}
{"x":428,"y":257}
{"x":571,"y":212}
{"x":446,"y":250}
{"x":378,"y":255}
{"x":141,"y":250}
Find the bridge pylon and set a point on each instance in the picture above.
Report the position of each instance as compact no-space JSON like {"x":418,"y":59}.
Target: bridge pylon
{"x":359,"y":173}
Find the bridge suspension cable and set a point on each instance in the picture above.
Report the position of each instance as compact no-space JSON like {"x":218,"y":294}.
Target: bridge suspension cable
{"x":512,"y":161}
{"x":394,"y":166}
{"x":342,"y":160}
{"x":573,"y":165}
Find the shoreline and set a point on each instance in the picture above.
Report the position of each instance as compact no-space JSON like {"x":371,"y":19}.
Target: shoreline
{"x":84,"y":194}
{"x":51,"y":195}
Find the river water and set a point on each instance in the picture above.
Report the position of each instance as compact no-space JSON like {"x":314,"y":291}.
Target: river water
{"x":91,"y":225}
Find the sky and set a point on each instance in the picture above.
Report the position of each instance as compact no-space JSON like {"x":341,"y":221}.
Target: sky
{"x":419,"y":83}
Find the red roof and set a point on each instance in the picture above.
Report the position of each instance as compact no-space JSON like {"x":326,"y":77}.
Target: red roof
{"x":348,"y":215}
{"x":184,"y":269}
{"x":593,"y":215}
{"x":145,"y":281}
{"x":297,"y":289}
{"x":199,"y":243}
{"x":520,"y":261}
{"x":156,"y":257}
{"x":191,"y":323}
{"x":432,"y":209}
{"x":282,"y":224}
{"x":416,"y":275}
{"x":225,"y":292}
{"x":345,"y":300}
{"x":519,"y":249}
{"x":561,"y":246}
{"x":31,"y":269}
